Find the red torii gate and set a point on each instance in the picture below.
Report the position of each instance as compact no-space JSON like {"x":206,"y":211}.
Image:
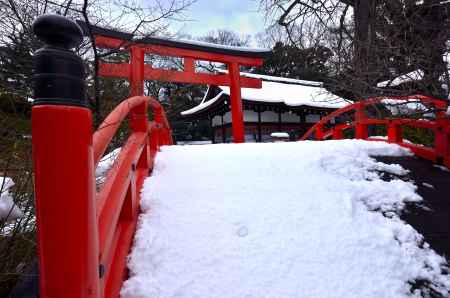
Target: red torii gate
{"x":136,"y":71}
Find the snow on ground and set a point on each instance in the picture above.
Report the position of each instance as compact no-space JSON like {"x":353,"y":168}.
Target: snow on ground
{"x":194,"y":142}
{"x":406,"y":141}
{"x":279,"y":135}
{"x":8,"y":210}
{"x":442,"y":168}
{"x":278,"y":220}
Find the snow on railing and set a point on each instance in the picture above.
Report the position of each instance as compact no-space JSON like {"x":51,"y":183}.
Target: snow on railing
{"x":440,"y":126}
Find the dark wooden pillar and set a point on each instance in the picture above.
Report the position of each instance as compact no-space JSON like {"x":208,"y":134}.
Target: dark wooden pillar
{"x":303,"y":117}
{"x":303,"y":122}
{"x":224,"y":131}
{"x":213,"y":130}
{"x":279,"y":120}
{"x":259,"y":126}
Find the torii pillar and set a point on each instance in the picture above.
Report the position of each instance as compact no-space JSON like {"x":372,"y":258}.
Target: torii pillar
{"x":237,"y":116}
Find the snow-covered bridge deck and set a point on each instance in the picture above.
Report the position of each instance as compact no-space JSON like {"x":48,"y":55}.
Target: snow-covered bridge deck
{"x":304,"y":219}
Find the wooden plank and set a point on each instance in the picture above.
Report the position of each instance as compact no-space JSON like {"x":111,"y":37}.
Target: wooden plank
{"x":151,"y":73}
{"x":121,"y":70}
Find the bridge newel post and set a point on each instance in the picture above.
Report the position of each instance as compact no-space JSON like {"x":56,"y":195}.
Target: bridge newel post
{"x":237,"y":115}
{"x":63,"y":164}
{"x":319,"y":133}
{"x":338,"y":133}
{"x":442,"y":137}
{"x":394,"y":132}
{"x":361,"y":131}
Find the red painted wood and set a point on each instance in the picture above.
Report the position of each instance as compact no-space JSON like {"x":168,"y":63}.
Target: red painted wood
{"x":102,"y":137}
{"x":338,"y":134}
{"x":237,"y":116}
{"x":120,"y":178}
{"x":421,"y":151}
{"x":137,"y":71}
{"x":196,"y":78}
{"x":360,"y":127}
{"x":440,"y":153}
{"x":189,"y":65}
{"x":442,"y":135}
{"x":65,"y":203}
{"x":94,"y":238}
{"x":123,"y":71}
{"x":91,"y":233}
{"x":115,"y":70}
{"x":113,"y":43}
{"x":83,"y":234}
{"x":395,"y":132}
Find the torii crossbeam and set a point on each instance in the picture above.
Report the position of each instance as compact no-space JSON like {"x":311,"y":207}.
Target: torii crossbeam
{"x":136,"y":71}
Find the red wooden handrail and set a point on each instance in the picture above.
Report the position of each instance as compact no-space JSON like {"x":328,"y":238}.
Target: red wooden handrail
{"x":89,"y":231}
{"x":440,"y":127}
{"x":117,"y":202}
{"x":109,"y":126}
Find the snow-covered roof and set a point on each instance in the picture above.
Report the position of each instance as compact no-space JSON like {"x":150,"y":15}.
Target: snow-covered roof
{"x":189,"y":42}
{"x":277,"y":79}
{"x":407,"y":107}
{"x":279,"y":135}
{"x":416,"y":75}
{"x":175,"y":43}
{"x":280,"y":90}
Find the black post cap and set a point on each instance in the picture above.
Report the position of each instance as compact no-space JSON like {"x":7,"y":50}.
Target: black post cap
{"x":58,"y":73}
{"x":57,"y":31}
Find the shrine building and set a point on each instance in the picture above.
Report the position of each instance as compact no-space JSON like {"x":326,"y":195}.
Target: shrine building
{"x":281,"y":105}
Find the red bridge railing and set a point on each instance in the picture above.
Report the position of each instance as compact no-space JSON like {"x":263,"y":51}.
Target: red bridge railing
{"x":360,"y":122}
{"x":84,"y":235}
{"x":117,"y":201}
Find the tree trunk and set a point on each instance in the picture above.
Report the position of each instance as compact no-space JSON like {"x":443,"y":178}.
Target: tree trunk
{"x":363,"y":61}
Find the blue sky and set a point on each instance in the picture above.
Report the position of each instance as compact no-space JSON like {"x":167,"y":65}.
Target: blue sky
{"x":241,"y":16}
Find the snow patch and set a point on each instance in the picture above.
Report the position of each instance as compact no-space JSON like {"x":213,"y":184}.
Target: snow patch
{"x":404,"y":107}
{"x":416,"y":75}
{"x":105,"y":164}
{"x":442,"y":168}
{"x":279,"y":135}
{"x":276,"y":79}
{"x":203,"y":105}
{"x":8,"y":210}
{"x":428,"y":185}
